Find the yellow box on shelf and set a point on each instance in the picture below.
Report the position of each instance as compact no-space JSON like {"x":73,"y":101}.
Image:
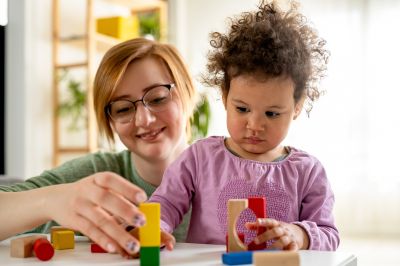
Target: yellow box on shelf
{"x":122,"y":28}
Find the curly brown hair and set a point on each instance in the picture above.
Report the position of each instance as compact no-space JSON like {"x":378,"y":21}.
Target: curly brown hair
{"x":272,"y":43}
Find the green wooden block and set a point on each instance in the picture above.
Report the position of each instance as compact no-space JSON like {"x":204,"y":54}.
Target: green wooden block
{"x":149,"y":256}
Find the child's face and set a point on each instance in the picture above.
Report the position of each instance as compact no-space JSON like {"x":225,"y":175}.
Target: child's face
{"x":259,"y":113}
{"x":152,"y":136}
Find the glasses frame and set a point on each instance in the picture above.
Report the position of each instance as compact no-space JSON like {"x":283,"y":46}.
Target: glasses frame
{"x":107,"y":108}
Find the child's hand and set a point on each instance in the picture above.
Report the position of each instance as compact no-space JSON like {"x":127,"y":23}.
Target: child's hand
{"x":92,"y":205}
{"x":286,"y":236}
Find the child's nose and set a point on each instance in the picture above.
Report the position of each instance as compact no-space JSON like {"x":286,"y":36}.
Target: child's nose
{"x":255,"y":123}
{"x":143,"y":116}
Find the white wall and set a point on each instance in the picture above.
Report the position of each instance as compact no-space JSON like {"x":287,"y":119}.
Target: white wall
{"x":28,"y":88}
{"x":190,"y":25}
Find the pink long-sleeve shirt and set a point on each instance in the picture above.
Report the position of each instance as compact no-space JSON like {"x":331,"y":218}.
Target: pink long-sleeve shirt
{"x":207,"y":175}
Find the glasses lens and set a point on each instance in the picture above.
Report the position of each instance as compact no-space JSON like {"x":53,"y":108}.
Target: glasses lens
{"x":157,"y":99}
{"x":122,"y":111}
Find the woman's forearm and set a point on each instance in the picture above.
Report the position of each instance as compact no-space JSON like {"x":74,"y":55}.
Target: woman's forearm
{"x":22,"y":211}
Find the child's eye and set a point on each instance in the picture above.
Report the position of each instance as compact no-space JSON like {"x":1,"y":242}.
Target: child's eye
{"x":272,"y":114}
{"x":242,"y":109}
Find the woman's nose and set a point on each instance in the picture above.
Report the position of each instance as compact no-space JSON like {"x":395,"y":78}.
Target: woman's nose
{"x":143,"y":116}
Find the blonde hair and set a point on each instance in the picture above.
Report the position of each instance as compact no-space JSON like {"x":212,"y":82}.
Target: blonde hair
{"x":116,"y":61}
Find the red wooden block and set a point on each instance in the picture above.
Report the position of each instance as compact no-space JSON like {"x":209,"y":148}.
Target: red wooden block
{"x":43,"y":249}
{"x":258,"y":206}
{"x":94,"y":248}
{"x":241,"y":237}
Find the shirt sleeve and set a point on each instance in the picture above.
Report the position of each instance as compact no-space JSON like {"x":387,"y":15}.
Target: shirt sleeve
{"x":316,"y":216}
{"x":176,"y":190}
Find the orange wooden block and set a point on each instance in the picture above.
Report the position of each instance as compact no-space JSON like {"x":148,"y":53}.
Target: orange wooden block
{"x":22,"y":247}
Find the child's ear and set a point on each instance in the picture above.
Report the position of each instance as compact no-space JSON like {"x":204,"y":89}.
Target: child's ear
{"x":298,"y":107}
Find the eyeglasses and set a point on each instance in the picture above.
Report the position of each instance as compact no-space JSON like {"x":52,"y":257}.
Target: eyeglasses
{"x":156,"y":100}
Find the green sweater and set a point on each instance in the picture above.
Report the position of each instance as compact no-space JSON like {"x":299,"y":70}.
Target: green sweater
{"x":76,"y":169}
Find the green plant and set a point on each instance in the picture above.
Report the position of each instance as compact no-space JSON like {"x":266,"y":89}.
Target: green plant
{"x":74,"y":105}
{"x":150,"y":24}
{"x":201,"y":119}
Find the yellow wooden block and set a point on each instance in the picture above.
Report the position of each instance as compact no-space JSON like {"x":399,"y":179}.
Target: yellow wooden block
{"x":63,"y":239}
{"x":123,"y":28}
{"x":149,"y":234}
{"x":57,"y":228}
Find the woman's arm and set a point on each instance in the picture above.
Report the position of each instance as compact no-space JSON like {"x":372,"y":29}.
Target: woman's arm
{"x":89,"y":206}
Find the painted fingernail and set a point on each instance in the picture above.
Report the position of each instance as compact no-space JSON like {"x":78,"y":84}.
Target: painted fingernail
{"x":111,"y":248}
{"x":139,"y":220}
{"x":132,"y":246}
{"x":140,"y":197}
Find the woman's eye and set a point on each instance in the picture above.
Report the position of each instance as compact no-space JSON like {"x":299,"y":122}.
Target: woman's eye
{"x":241,"y":109}
{"x":272,"y":114}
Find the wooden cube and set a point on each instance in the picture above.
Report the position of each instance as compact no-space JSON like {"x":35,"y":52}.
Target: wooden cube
{"x":64,"y":239}
{"x":22,"y":247}
{"x":149,"y":256}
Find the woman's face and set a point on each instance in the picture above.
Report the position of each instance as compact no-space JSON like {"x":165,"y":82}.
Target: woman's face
{"x":153,"y":136}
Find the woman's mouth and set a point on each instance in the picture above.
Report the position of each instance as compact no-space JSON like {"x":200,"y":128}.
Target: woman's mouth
{"x":150,"y":135}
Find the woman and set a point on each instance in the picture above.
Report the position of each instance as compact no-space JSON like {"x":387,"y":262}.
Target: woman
{"x":143,"y":93}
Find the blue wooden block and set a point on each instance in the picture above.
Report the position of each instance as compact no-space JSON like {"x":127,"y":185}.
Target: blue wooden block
{"x":241,"y":257}
{"x":237,"y":258}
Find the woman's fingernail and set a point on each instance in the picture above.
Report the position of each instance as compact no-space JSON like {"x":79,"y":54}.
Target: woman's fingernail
{"x":132,"y":246}
{"x":111,"y":248}
{"x":140,"y":197}
{"x":139,"y":220}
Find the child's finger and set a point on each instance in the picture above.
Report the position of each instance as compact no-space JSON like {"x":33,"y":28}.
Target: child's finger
{"x":274,"y":233}
{"x":267,"y":222}
{"x":168,"y":240}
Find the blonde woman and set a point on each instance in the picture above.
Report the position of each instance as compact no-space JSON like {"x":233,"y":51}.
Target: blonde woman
{"x":144,"y":94}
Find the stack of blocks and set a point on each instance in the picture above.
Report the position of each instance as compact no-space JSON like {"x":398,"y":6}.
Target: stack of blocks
{"x":150,"y":235}
{"x":29,"y":246}
{"x":237,"y":250}
{"x":39,"y":246}
{"x":235,"y":207}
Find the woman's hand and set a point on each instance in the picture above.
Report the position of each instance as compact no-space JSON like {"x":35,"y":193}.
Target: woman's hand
{"x":91,"y":206}
{"x":286,"y":236}
{"x":167,"y":240}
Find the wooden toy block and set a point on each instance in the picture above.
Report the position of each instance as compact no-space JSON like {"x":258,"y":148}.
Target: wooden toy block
{"x":237,"y":258}
{"x":94,"y":248}
{"x":43,"y":249}
{"x":235,"y":207}
{"x":241,"y":237}
{"x":57,"y":228}
{"x":258,"y":206}
{"x":149,"y":234}
{"x":22,"y":247}
{"x":149,"y":256}
{"x":280,"y":258}
{"x":64,"y":239}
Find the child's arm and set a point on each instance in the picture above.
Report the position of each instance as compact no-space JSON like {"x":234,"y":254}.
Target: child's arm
{"x":89,"y":206}
{"x":286,"y":236}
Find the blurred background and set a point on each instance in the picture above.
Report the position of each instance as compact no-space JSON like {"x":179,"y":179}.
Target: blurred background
{"x":51,"y":48}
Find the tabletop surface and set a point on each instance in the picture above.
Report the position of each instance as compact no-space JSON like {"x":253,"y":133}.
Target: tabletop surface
{"x":183,"y":254}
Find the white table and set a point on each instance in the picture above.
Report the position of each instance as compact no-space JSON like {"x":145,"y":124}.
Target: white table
{"x":183,"y":254}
